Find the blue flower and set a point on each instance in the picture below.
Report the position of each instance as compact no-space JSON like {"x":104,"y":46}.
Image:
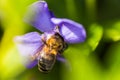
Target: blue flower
{"x":44,"y":20}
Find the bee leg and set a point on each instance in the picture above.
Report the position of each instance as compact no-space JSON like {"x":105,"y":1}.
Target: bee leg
{"x":65,"y":46}
{"x":43,"y":39}
{"x":63,"y":49}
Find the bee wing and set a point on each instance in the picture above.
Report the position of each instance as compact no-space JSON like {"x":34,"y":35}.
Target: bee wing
{"x":28,"y":46}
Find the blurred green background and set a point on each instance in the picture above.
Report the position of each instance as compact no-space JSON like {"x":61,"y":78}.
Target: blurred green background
{"x":98,"y":58}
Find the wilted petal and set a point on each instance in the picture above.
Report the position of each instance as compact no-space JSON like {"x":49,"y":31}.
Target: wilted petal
{"x":71,"y":31}
{"x":39,"y":16}
{"x":28,"y":45}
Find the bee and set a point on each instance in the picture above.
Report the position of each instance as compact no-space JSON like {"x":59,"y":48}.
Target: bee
{"x":52,"y":47}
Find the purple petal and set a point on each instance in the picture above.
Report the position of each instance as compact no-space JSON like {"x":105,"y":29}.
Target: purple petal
{"x":65,"y":61}
{"x":47,"y":35}
{"x":60,"y":58}
{"x":32,"y":64}
{"x":28,"y":45}
{"x":39,"y":16}
{"x":71,"y":31}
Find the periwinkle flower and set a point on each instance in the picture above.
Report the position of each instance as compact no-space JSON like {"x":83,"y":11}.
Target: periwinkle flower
{"x":45,"y":48}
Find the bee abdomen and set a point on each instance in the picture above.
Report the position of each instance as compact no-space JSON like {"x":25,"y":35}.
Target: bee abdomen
{"x":46,"y":62}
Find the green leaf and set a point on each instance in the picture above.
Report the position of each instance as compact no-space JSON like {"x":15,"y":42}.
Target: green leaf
{"x":113,"y":31}
{"x":113,"y":61}
{"x":94,"y":36}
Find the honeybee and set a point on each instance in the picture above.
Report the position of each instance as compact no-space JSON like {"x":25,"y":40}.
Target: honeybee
{"x":52,"y":47}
